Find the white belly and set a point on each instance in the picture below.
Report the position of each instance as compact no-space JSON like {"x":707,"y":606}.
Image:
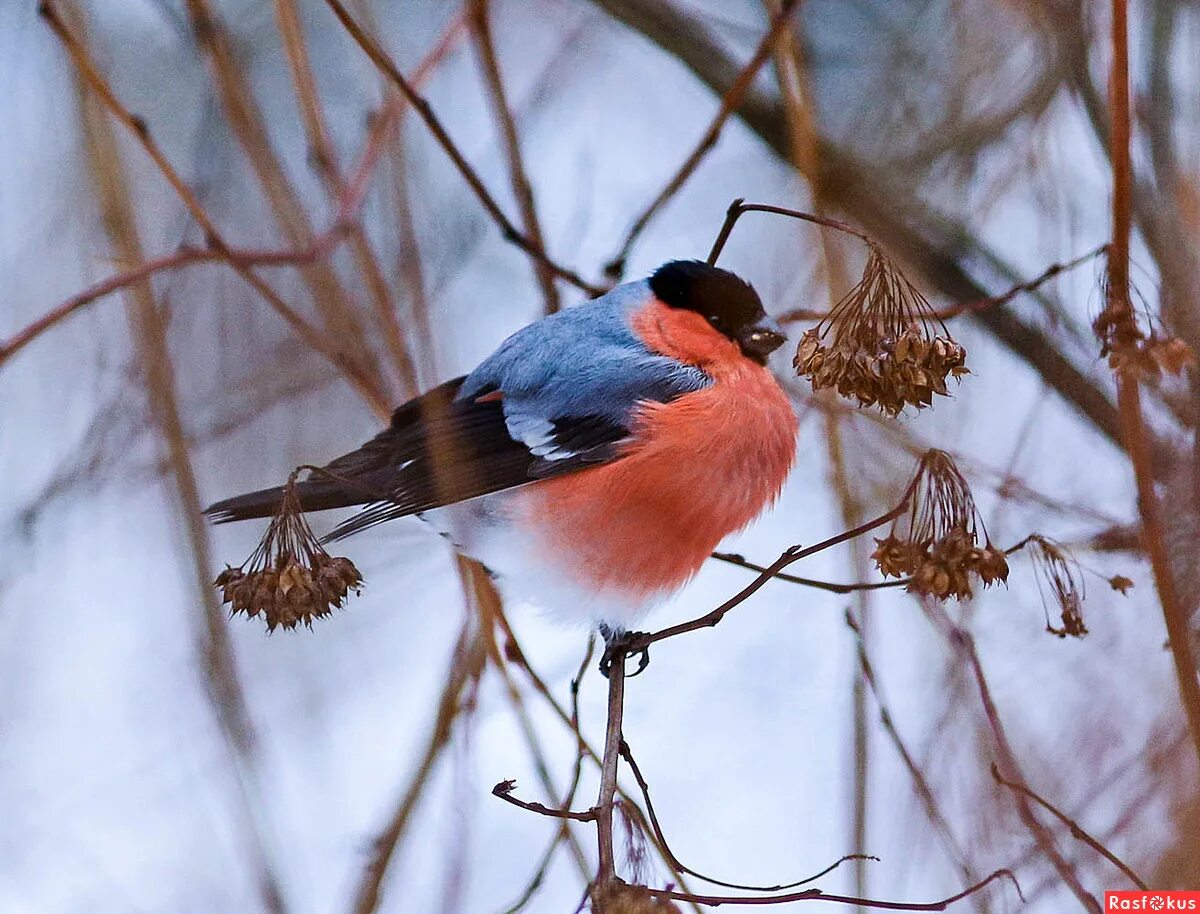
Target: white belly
{"x":482,"y":530}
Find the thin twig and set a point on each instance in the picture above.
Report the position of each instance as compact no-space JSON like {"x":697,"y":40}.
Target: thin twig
{"x":510,"y":231}
{"x":518,"y":176}
{"x":504,"y":790}
{"x":215,"y":657}
{"x":741,"y":562}
{"x":981,"y":304}
{"x":740,"y":207}
{"x":627,"y":754}
{"x":1076,"y":831}
{"x":818,"y":895}
{"x":470,"y":655}
{"x":793,"y":554}
{"x":730,"y":102}
{"x":965,"y":644}
{"x":921,"y":786}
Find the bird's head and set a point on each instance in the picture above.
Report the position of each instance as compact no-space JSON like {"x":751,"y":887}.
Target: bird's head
{"x":727,"y":302}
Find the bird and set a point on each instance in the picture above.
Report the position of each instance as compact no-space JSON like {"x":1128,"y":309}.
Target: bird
{"x":596,"y":459}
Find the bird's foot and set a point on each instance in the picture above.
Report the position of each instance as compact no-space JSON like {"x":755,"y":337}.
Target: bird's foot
{"x":619,"y":643}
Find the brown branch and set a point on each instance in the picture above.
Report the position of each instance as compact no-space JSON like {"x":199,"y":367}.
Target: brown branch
{"x":921,"y":786}
{"x":818,"y":895}
{"x":323,"y":157}
{"x":627,"y":754}
{"x":572,"y":723}
{"x":607,"y":870}
{"x":384,"y":63}
{"x":741,"y":562}
{"x":518,"y":176}
{"x":730,"y":102}
{"x":466,"y":665}
{"x":740,"y":207}
{"x":1076,"y":831}
{"x":1129,"y":401}
{"x":539,"y":873}
{"x":981,"y":304}
{"x":965,"y":645}
{"x":215,"y":656}
{"x":504,"y":790}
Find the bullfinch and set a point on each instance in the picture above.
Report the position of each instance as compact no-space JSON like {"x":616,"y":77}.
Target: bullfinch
{"x":595,"y":460}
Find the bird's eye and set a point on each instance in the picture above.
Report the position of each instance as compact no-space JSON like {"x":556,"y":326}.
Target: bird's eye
{"x":715,"y":320}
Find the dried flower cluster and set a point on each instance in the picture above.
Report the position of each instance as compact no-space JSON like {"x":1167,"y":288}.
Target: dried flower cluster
{"x":1129,"y":349}
{"x":289,"y":579}
{"x":881,"y":344}
{"x":937,"y":543}
{"x":619,"y":897}
{"x":1058,"y":571}
{"x":1153,"y":357}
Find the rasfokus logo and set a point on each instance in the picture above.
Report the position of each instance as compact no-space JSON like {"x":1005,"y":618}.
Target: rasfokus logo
{"x":1152,"y":901}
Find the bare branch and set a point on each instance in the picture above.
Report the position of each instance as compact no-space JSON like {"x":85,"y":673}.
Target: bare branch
{"x":1076,"y":832}
{"x":510,"y":231}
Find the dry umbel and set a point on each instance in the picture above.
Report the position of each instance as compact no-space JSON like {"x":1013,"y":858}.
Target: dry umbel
{"x":1128,"y":348}
{"x":289,"y":579}
{"x":940,"y":543}
{"x":1058,"y":572}
{"x":882,"y":344}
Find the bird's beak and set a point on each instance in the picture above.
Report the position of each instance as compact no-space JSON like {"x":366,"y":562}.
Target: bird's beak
{"x":760,"y":339}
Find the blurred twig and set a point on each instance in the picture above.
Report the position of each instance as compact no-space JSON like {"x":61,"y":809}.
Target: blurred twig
{"x":324,"y":159}
{"x":920,"y":784}
{"x":730,"y":101}
{"x":964,"y":644}
{"x":539,"y":873}
{"x":1120,"y":310}
{"x":245,"y":117}
{"x":1076,"y":832}
{"x":466,"y":665}
{"x":518,"y":176}
{"x":148,"y":327}
{"x":627,"y":754}
{"x":510,"y":231}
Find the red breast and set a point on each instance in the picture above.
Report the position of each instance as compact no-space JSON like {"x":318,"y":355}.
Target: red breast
{"x":696,"y":469}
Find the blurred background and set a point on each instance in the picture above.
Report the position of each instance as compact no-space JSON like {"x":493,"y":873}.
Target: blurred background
{"x":156,"y":756}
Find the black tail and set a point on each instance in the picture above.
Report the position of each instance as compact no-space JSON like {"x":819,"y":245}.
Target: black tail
{"x":315,"y":495}
{"x":367,"y":475}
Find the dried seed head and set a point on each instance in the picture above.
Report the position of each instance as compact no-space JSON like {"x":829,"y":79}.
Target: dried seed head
{"x":937,"y":543}
{"x":289,"y":578}
{"x":619,"y":897}
{"x":881,"y":344}
{"x":1058,"y":572}
{"x":1128,"y":348}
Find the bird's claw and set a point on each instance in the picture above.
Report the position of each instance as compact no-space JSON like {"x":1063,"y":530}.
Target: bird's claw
{"x":623,"y":644}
